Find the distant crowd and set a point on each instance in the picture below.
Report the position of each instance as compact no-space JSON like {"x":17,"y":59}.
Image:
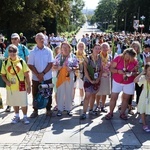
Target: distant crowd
{"x":100,"y":65}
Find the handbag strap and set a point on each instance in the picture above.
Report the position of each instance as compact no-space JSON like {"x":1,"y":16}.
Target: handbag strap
{"x":15,"y":71}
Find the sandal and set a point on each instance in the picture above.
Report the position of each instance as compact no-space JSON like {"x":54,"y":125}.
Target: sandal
{"x":109,"y":116}
{"x":146,"y":128}
{"x":123,"y":117}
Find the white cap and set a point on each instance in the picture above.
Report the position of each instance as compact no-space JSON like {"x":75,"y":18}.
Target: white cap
{"x":15,"y":35}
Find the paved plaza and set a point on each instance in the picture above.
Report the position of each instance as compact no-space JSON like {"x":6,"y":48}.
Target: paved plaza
{"x":67,"y":133}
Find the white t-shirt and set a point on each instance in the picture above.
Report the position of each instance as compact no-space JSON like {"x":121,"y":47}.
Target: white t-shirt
{"x":40,"y":59}
{"x":45,"y":40}
{"x":52,"y":40}
{"x":58,"y":40}
{"x":74,"y":41}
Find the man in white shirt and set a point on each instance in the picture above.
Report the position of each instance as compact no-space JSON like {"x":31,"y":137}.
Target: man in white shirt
{"x":45,"y":38}
{"x":41,"y":70}
{"x":52,"y":40}
{"x":58,"y":40}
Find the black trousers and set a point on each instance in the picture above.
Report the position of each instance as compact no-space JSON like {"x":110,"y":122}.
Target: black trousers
{"x":138,"y":90}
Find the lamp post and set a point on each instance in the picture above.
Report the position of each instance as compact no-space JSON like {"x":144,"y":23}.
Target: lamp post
{"x":115,"y":24}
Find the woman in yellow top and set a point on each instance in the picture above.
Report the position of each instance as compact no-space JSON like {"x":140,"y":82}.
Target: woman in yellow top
{"x":15,"y":74}
{"x":81,"y":55}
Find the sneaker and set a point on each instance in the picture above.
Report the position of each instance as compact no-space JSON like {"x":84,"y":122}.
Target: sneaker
{"x":103,"y":110}
{"x":25,"y":120}
{"x":15,"y":120}
{"x":83,"y":116}
{"x":91,"y":112}
{"x":69,"y":113}
{"x":8,"y":109}
{"x":146,"y":128}
{"x":97,"y":108}
{"x":34,"y":114}
{"x":59,"y":113}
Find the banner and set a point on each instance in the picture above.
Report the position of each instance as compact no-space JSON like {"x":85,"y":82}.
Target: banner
{"x":136,"y":24}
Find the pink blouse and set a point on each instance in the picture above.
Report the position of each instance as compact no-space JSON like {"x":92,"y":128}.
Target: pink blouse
{"x":120,"y":66}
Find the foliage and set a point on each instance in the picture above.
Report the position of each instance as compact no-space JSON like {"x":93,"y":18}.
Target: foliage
{"x":121,"y":13}
{"x":31,"y":17}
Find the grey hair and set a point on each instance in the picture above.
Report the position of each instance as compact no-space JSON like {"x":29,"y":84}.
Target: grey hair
{"x":39,"y":34}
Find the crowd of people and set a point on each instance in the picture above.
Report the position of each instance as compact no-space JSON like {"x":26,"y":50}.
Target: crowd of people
{"x":100,"y":65}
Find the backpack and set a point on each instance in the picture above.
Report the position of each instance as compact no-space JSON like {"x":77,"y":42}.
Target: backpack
{"x":21,"y":61}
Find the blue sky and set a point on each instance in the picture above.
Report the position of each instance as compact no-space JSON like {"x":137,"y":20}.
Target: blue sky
{"x":91,"y":4}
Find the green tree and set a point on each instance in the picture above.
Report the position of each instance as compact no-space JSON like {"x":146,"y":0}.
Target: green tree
{"x":27,"y":16}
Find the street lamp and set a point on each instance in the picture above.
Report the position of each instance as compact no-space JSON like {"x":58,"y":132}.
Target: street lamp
{"x":115,"y":25}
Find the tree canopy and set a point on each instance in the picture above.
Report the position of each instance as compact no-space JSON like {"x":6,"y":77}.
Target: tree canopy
{"x":121,"y":14}
{"x":32,"y":16}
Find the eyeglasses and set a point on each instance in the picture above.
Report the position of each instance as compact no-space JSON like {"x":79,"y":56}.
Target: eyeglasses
{"x":12,"y":51}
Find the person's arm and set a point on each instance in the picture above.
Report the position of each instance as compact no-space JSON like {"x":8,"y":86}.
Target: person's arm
{"x":5,"y":79}
{"x":138,"y":77}
{"x":86,"y":71}
{"x":48,"y":68}
{"x":39,"y":75}
{"x":100,"y":74}
{"x":113,"y":68}
{"x":27,"y":78}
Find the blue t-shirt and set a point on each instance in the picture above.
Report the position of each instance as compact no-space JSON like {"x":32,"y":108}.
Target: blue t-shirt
{"x":23,"y":52}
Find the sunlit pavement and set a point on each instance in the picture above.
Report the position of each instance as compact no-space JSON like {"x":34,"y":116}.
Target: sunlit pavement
{"x":70,"y":132}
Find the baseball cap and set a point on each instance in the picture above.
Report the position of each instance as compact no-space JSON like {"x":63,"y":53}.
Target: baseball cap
{"x":15,"y":35}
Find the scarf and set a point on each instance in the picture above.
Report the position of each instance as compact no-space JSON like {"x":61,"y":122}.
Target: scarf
{"x":104,"y":59}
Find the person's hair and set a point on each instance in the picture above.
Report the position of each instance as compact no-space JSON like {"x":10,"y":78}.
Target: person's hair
{"x":39,"y":34}
{"x":97,"y":44}
{"x":66,"y":44}
{"x":83,"y":48}
{"x":81,"y":43}
{"x":55,"y":49}
{"x":105,"y":43}
{"x":146,"y":67}
{"x":129,"y":51}
{"x":138,"y":44}
{"x":14,"y":47}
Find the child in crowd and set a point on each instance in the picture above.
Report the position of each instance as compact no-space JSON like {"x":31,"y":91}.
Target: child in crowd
{"x":54,"y":75}
{"x":144,"y":100}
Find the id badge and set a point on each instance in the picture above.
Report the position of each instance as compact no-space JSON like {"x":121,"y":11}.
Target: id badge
{"x":13,"y":80}
{"x":96,"y":75}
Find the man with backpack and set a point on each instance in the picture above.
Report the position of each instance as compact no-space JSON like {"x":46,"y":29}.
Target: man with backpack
{"x":23,"y":52}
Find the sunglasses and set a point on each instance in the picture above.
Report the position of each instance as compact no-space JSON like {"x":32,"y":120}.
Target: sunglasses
{"x":12,"y":51}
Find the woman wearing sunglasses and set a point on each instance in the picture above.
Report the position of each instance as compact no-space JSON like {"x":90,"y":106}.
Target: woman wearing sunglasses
{"x":15,"y":74}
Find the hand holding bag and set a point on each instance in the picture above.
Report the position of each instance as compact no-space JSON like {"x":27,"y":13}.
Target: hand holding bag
{"x":42,"y":97}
